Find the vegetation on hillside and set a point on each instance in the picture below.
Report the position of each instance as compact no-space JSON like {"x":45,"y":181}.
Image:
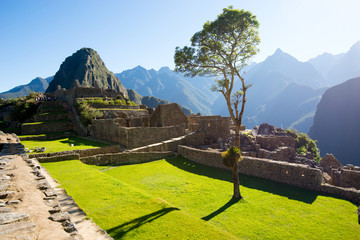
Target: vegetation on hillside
{"x":305,"y":144}
{"x":86,"y":112}
{"x":23,"y":107}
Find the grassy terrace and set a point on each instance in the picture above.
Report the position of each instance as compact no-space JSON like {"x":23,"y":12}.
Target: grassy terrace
{"x":178,"y":199}
{"x":37,"y":123}
{"x":63,"y":144}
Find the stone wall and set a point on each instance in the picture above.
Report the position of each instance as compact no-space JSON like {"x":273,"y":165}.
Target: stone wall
{"x":271,"y":143}
{"x":81,"y":152}
{"x":124,"y":158}
{"x":47,"y":127}
{"x":137,"y":137}
{"x":58,"y":158}
{"x":214,"y":127}
{"x":345,"y":178}
{"x":131,"y":137}
{"x":289,"y":173}
{"x":168,"y":115}
{"x":293,"y":174}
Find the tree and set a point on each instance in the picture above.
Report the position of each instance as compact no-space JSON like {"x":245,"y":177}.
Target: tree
{"x":231,"y":157}
{"x":222,"y":49}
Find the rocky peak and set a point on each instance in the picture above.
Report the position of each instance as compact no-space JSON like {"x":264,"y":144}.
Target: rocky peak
{"x":88,"y":69}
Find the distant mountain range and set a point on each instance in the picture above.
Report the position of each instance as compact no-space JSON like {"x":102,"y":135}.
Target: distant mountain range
{"x":336,"y":122}
{"x":37,"y":85}
{"x":285,"y":91}
{"x":193,"y":93}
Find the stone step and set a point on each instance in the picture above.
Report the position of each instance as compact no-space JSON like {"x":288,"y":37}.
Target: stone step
{"x":15,"y":227}
{"x":5,"y":210}
{"x":11,"y":217}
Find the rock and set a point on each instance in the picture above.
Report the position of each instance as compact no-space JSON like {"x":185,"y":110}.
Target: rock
{"x":4,"y":187}
{"x":14,"y":227}
{"x":13,"y":202}
{"x":60,"y":216}
{"x":5,"y":209}
{"x":6,"y":218}
{"x":55,"y":209}
{"x":50,"y":193}
{"x":266,"y":129}
{"x":5,"y":194}
{"x":351,"y":166}
{"x":69,"y":226}
{"x":44,"y":185}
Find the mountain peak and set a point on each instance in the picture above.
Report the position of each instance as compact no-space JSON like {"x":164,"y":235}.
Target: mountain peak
{"x":355,"y":47}
{"x":86,"y":66}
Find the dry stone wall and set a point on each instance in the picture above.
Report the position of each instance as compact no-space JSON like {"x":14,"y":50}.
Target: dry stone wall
{"x":48,"y":127}
{"x":131,"y":137}
{"x":124,"y":158}
{"x":289,"y":173}
{"x":345,"y":178}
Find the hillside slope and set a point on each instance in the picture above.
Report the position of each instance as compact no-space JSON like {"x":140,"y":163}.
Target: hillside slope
{"x":336,"y":122}
{"x":87,"y":67}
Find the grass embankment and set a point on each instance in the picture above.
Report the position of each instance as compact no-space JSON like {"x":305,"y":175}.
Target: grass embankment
{"x":47,"y":122}
{"x":126,"y":212}
{"x":119,"y":200}
{"x":63,"y":144}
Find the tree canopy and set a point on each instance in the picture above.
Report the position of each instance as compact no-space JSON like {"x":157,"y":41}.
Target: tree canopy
{"x":221,"y":50}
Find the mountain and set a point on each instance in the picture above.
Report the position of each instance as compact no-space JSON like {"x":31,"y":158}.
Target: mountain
{"x":37,"y":85}
{"x":285,"y":93}
{"x":87,"y":67}
{"x":347,"y":67}
{"x":336,"y":122}
{"x":324,"y":62}
{"x":170,"y":86}
{"x":302,"y":73}
{"x":151,"y":102}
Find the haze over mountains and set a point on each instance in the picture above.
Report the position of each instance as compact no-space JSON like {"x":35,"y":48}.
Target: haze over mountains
{"x":336,"y":122}
{"x":285,"y":91}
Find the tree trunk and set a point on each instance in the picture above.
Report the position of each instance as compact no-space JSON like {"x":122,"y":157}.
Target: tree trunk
{"x":237,"y":134}
{"x":235,"y":177}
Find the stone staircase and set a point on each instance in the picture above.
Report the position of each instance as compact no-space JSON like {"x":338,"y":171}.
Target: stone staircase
{"x":51,"y":118}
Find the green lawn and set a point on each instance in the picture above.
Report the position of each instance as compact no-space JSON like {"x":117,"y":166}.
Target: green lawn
{"x":126,"y":212}
{"x":122,"y":195}
{"x":63,"y":144}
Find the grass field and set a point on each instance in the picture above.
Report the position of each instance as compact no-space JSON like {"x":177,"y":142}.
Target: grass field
{"x":121,"y":200}
{"x":63,"y":144}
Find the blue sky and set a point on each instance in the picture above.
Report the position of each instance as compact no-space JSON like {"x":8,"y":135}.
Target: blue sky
{"x":37,"y":35}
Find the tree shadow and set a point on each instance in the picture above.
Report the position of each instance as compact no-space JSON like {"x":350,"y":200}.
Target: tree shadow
{"x":291,"y":192}
{"x":231,"y":202}
{"x":119,"y":231}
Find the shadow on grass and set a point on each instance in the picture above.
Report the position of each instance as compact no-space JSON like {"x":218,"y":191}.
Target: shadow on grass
{"x":231,"y":202}
{"x":119,"y":231}
{"x":261,"y":184}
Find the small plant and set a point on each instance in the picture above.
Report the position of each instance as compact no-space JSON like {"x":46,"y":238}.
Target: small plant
{"x":86,"y":113}
{"x":305,"y":144}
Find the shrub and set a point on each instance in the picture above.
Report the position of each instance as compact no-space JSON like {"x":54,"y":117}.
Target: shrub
{"x":231,"y":157}
{"x":86,"y":113}
{"x":305,"y":144}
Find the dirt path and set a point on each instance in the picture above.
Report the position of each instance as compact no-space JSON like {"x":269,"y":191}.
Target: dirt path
{"x":31,"y":207}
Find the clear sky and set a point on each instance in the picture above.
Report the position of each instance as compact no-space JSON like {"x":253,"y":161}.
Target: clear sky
{"x":37,"y":35}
